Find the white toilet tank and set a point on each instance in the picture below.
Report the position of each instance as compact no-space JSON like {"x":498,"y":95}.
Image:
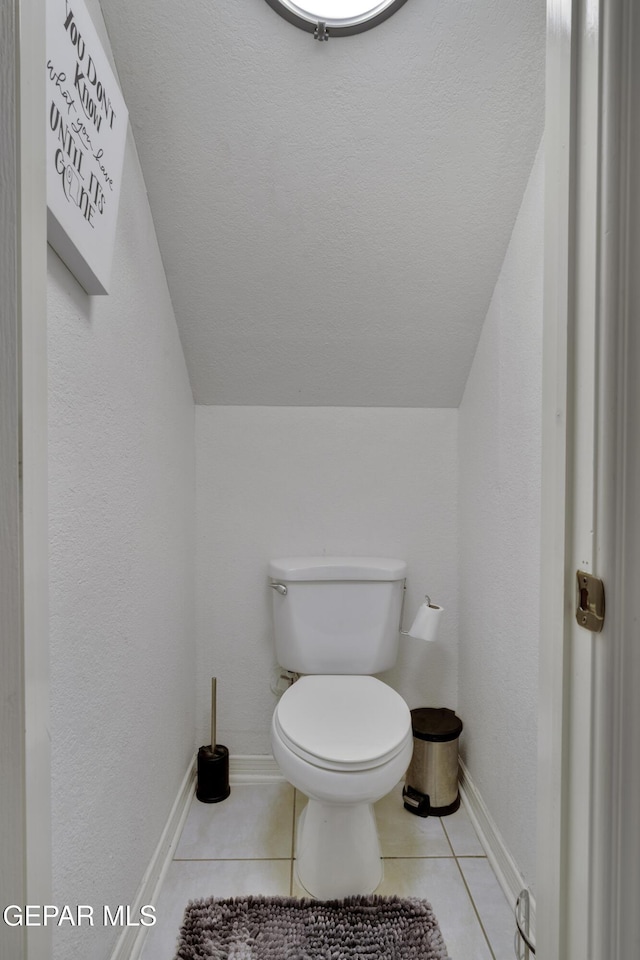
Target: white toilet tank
{"x":337,"y":615}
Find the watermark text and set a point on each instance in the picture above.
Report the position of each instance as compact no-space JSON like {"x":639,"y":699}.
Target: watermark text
{"x":78,"y":915}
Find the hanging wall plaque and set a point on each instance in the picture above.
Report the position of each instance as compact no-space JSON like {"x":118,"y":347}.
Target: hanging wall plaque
{"x":86,"y":131}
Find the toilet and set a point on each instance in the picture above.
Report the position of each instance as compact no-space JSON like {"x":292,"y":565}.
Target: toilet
{"x":339,"y":735}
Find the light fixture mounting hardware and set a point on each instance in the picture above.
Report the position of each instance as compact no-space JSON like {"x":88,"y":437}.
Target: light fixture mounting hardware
{"x":321,"y":32}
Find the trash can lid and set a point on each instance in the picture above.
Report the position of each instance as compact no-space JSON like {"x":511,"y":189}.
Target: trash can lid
{"x":436,"y":724}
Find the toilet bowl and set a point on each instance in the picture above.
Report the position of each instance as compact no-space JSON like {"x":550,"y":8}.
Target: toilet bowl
{"x":344,"y":741}
{"x":339,"y":735}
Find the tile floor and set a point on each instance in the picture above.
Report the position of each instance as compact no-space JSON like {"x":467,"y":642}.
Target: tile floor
{"x":245,"y":846}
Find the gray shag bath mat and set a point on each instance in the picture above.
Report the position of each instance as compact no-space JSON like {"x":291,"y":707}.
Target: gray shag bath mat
{"x":284,"y":928}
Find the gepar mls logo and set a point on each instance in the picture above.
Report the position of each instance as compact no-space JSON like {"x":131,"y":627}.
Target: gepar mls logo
{"x":49,"y":915}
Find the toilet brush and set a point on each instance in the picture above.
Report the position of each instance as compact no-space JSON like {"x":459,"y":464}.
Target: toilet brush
{"x":213,"y":763}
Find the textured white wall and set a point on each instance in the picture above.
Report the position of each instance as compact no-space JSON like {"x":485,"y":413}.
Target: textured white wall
{"x":122,"y":572}
{"x":276,"y":481}
{"x":313,"y":197}
{"x":500,"y":453}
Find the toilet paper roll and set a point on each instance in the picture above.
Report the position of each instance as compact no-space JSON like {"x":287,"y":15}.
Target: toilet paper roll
{"x":425,"y":625}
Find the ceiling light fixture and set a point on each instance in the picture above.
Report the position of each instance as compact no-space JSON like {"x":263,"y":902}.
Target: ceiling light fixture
{"x":335,"y":18}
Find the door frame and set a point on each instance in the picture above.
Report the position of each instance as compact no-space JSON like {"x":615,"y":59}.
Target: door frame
{"x":25,"y":827}
{"x":591,"y":468}
{"x":619,"y":674}
{"x":35,"y":463}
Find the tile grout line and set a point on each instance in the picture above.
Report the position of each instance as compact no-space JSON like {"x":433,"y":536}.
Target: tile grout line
{"x":477,"y":912}
{"x":469,"y":894}
{"x":442,"y":824}
{"x":296,"y":802}
{"x":230,"y":859}
{"x":293,"y":834}
{"x":444,"y":856}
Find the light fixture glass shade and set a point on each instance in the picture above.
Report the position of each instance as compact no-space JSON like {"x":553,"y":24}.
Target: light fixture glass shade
{"x":337,"y":10}
{"x":342,"y":16}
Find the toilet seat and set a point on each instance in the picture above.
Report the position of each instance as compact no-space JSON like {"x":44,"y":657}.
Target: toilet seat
{"x":343,"y":723}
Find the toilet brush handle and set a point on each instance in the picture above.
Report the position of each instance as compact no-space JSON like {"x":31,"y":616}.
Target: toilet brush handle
{"x":213,"y":713}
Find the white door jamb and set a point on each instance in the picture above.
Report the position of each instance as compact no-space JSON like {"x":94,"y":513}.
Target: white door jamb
{"x":587,"y":486}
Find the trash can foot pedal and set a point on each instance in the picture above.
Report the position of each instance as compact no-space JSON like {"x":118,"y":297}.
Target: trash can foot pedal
{"x":415,"y":802}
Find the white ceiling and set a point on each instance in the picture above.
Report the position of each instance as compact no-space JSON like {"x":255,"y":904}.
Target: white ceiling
{"x":332,"y":216}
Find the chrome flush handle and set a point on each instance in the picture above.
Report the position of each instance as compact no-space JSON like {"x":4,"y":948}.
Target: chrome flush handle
{"x":280,"y":587}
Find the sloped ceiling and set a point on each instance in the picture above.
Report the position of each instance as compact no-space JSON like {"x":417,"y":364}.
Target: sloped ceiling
{"x":332,"y":216}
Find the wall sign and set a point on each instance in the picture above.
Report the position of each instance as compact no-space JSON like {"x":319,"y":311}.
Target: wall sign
{"x":86,"y":131}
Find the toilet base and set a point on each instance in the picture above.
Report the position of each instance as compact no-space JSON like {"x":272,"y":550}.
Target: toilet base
{"x":337,"y":850}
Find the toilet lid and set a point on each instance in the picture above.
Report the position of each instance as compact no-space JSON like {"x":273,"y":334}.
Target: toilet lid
{"x":348,"y":721}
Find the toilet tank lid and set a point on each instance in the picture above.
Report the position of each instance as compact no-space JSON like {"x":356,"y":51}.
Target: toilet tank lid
{"x":338,"y":568}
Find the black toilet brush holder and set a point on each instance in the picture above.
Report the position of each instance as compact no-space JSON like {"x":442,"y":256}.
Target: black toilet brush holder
{"x":213,"y":764}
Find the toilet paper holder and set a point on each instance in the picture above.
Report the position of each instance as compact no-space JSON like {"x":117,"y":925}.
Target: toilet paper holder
{"x":426,"y":621}
{"x":426,"y":602}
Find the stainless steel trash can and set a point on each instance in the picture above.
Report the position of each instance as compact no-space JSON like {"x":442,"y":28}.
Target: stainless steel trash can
{"x":431,"y":783}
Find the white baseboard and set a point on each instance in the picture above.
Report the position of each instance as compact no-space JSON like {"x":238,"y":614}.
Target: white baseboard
{"x":247,"y":769}
{"x":503,"y":864}
{"x":254,"y":769}
{"x":130,"y":943}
